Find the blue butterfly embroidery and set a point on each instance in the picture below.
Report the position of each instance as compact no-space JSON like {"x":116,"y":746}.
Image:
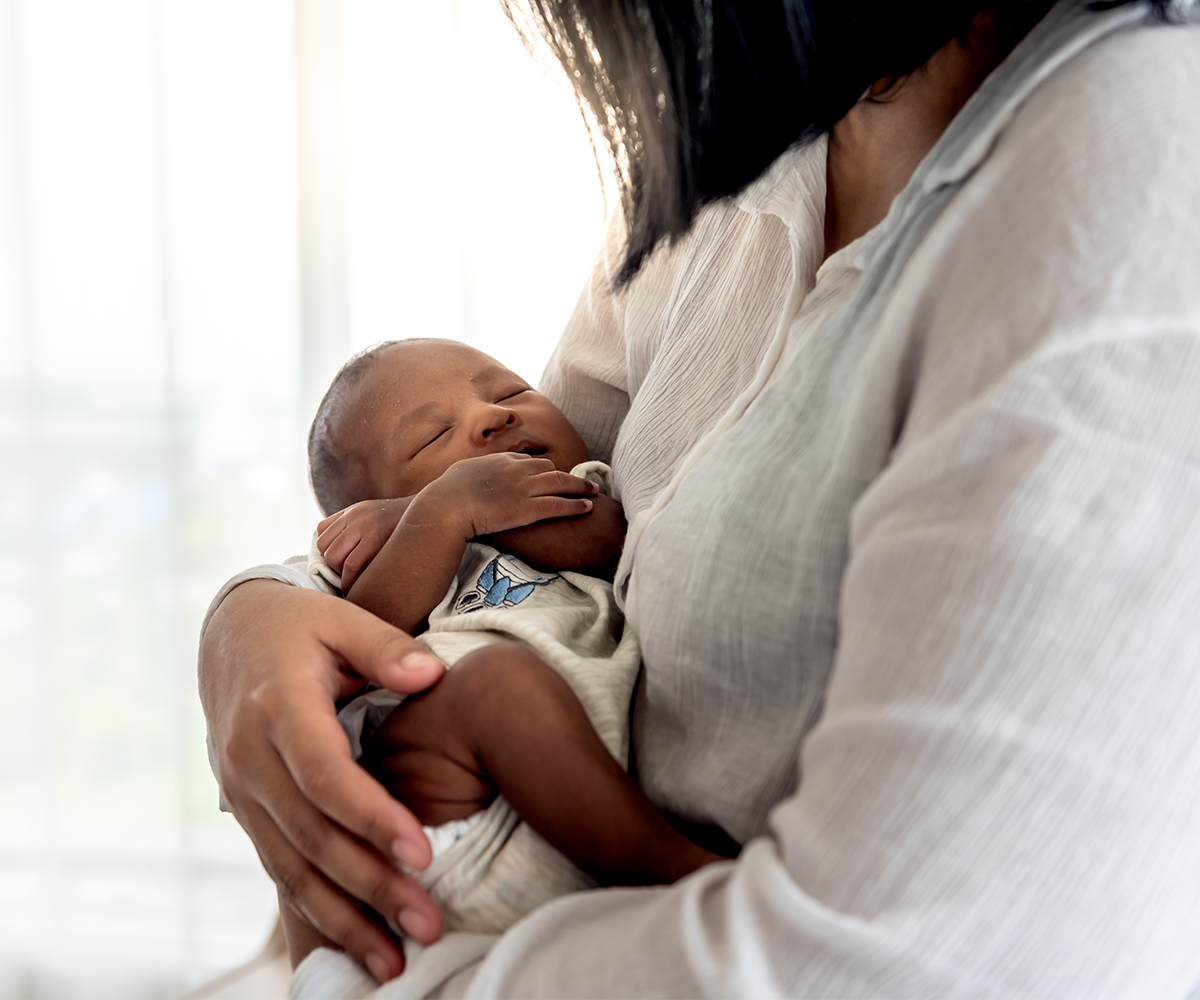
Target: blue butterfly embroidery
{"x":504,"y":583}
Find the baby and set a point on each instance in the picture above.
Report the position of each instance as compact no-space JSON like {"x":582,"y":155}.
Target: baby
{"x":467,"y":513}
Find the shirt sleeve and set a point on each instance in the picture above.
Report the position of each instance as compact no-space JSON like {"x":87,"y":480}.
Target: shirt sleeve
{"x":292,"y":572}
{"x":1003,"y":793}
{"x":587,"y":375}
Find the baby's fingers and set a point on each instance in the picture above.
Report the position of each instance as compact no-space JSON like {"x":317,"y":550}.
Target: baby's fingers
{"x":341,"y":547}
{"x":562,"y":483}
{"x":330,"y":519}
{"x":329,"y":531}
{"x":547,"y":508}
{"x":354,"y":563}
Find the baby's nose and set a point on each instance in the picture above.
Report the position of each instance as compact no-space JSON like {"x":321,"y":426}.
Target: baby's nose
{"x":494,"y":418}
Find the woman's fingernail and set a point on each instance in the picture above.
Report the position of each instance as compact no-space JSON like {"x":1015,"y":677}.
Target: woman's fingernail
{"x":589,"y":504}
{"x":415,"y":924}
{"x":420,"y":661}
{"x":407,"y":854}
{"x":378,"y":966}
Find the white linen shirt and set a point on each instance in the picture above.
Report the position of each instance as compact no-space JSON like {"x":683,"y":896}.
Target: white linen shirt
{"x":958,"y":522}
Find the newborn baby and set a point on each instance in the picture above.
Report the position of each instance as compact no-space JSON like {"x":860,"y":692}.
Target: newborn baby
{"x":467,"y":513}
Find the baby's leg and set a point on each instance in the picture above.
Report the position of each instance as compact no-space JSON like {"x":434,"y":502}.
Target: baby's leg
{"x":504,"y":722}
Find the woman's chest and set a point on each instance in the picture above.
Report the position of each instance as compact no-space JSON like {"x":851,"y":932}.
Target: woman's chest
{"x":736,"y":582}
{"x":694,"y":339}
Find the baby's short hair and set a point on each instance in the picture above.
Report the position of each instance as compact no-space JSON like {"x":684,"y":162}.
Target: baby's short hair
{"x":335,"y":472}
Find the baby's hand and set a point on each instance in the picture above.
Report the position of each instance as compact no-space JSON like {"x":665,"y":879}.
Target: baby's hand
{"x":493,"y":493}
{"x":351,"y":538}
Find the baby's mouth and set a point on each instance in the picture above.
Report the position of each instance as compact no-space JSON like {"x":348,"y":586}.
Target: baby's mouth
{"x":527,"y":448}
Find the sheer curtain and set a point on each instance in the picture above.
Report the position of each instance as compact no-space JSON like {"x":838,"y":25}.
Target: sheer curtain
{"x":156,"y":379}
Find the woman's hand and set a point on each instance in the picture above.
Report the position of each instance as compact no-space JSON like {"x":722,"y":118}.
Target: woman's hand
{"x":272,"y":662}
{"x":349,"y":539}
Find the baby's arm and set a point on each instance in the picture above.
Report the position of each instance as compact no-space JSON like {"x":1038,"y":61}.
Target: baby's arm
{"x":477,"y":496}
{"x":350,"y":538}
{"x":589,"y":544}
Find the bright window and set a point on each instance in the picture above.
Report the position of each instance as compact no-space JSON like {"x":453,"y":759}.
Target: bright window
{"x":151,"y":412}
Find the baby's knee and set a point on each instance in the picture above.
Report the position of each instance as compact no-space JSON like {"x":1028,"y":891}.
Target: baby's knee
{"x":500,"y":662}
{"x":501,"y":670}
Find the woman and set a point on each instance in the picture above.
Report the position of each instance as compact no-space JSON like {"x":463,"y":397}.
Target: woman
{"x":952,"y":518}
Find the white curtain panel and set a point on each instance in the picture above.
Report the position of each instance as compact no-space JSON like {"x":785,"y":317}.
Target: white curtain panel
{"x":155,"y":389}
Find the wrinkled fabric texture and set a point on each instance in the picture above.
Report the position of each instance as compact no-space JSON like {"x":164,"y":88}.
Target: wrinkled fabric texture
{"x":918,"y":608}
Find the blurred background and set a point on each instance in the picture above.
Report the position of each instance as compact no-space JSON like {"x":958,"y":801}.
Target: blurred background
{"x":205,"y":206}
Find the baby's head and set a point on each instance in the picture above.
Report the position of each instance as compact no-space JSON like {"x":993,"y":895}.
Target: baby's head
{"x":400,"y":414}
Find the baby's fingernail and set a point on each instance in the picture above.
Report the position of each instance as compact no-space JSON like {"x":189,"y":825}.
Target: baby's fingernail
{"x":415,"y":924}
{"x":589,"y":504}
{"x":407,"y":854}
{"x":420,"y":661}
{"x":378,"y":966}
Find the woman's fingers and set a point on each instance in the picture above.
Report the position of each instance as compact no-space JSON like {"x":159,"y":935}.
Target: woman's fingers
{"x":299,"y":827}
{"x":314,"y":750}
{"x":303,"y":777}
{"x":315,"y":846}
{"x":302,"y":937}
{"x":292,"y":717}
{"x":306,"y":890}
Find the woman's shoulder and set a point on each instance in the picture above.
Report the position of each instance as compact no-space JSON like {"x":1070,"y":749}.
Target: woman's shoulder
{"x":1071,"y":244}
{"x":1138,"y":82}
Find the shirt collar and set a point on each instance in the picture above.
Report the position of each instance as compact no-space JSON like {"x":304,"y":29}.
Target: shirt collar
{"x":792,"y":188}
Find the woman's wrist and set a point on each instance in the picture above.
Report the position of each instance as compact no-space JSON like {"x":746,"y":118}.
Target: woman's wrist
{"x":216,"y":659}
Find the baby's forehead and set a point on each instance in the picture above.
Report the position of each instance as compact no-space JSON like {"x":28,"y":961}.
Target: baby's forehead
{"x":418,"y":361}
{"x":405,"y":378}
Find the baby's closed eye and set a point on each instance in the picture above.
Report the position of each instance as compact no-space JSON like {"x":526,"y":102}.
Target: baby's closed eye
{"x":435,"y":437}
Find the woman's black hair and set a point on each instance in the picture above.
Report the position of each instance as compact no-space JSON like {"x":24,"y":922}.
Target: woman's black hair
{"x":693,"y":99}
